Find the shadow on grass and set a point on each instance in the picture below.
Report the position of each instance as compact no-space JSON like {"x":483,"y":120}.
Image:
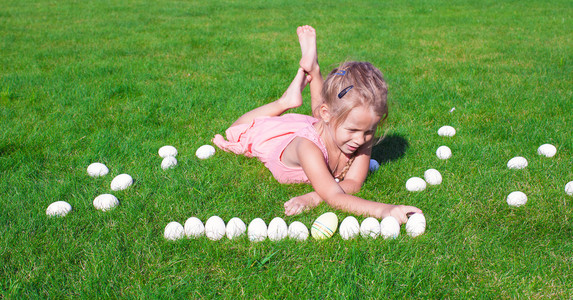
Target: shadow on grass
{"x":390,"y":148}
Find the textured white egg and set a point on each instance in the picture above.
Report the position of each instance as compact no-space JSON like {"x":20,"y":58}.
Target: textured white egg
{"x":121,"y":182}
{"x":257,"y":230}
{"x":416,"y":225}
{"x":97,"y":169}
{"x":167,"y":151}
{"x":168,"y":163}
{"x":235,"y":228}
{"x":569,"y":188}
{"x":415,"y":184}
{"x":349,"y":228}
{"x":444,"y":152}
{"x":105,"y":202}
{"x":277,"y":229}
{"x":324,"y":226}
{"x":370,"y":227}
{"x":297,"y":231}
{"x":374,"y":165}
{"x":547,"y":150}
{"x":58,"y":209}
{"x":205,"y":151}
{"x":433,"y":177}
{"x":173,"y":231}
{"x":215,"y":228}
{"x":516,"y":198}
{"x":447,"y":131}
{"x":518,"y":162}
{"x":194,"y":228}
{"x":389,"y":228}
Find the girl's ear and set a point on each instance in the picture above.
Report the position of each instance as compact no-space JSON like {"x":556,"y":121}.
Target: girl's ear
{"x":325,"y":113}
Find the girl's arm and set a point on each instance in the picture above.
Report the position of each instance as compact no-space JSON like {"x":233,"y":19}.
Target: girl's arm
{"x":351,"y":184}
{"x":358,"y":171}
{"x":312,"y":161}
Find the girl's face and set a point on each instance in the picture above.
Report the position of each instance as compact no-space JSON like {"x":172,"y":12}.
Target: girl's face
{"x":358,"y":129}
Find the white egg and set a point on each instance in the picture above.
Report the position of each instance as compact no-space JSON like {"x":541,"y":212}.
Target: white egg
{"x":569,"y":188}
{"x":297,"y":231}
{"x":547,"y":150}
{"x":516,"y":198}
{"x":324,"y":226}
{"x":215,"y":228}
{"x":416,"y":225}
{"x":257,"y":230}
{"x":173,"y":231}
{"x":167,"y":151}
{"x":433,"y":177}
{"x":205,"y":151}
{"x":105,"y":202}
{"x":277,"y":229}
{"x":121,"y":182}
{"x":374,"y":165}
{"x":349,"y":228}
{"x":389,"y":228}
{"x":235,"y":228}
{"x":444,"y":152}
{"x":415,"y":184}
{"x":370,"y":227}
{"x":97,"y":169}
{"x":58,"y":209}
{"x":194,"y":228}
{"x":168,"y":163}
{"x":447,"y":131}
{"x":517,"y":162}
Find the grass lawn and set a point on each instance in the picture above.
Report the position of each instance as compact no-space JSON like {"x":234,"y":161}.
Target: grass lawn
{"x":113,"y":81}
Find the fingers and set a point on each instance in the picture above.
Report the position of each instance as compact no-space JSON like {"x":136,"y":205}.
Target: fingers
{"x":402,"y":218}
{"x":293,"y":210}
{"x":292,"y":207}
{"x":413,"y":210}
{"x":408,"y":211}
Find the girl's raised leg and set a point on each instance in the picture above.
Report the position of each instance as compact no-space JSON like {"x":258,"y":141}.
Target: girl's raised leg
{"x":309,"y":62}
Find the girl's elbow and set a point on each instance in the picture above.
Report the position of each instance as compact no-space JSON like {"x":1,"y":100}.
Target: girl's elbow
{"x":353,"y":187}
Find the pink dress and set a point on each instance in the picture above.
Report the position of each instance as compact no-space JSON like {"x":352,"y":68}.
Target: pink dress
{"x":266,"y":138}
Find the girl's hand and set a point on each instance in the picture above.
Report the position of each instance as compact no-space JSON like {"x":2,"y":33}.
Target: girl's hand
{"x":299,"y":204}
{"x":402,"y":212}
{"x":294,"y":206}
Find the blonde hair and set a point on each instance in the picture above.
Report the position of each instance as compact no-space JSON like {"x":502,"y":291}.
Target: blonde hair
{"x":355,"y":84}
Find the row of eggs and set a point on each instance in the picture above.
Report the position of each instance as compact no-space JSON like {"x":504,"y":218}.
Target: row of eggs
{"x":323,"y":227}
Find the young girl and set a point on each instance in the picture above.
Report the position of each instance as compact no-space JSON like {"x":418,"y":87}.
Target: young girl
{"x":330,"y":150}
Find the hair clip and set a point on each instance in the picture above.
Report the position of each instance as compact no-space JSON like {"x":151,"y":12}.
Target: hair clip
{"x":341,"y":72}
{"x":344,"y":91}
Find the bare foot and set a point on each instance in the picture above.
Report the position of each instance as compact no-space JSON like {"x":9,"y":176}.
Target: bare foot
{"x":299,"y":204}
{"x":292,"y":97}
{"x":307,"y":39}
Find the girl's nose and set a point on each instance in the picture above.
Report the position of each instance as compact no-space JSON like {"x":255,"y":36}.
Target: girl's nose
{"x":361,"y":138}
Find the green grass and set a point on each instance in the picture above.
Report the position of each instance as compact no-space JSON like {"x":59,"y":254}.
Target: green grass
{"x":112,"y":81}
